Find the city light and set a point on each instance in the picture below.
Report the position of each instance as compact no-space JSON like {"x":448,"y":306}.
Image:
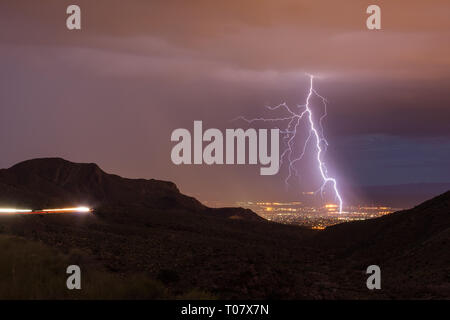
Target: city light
{"x":290,"y":134}
{"x":313,"y":216}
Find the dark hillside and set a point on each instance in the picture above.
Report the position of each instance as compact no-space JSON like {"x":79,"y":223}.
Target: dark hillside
{"x":147,"y":228}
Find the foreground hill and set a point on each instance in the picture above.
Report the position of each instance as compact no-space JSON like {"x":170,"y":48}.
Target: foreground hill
{"x":405,"y":229}
{"x":31,"y":270}
{"x":411,"y":246}
{"x":147,"y":228}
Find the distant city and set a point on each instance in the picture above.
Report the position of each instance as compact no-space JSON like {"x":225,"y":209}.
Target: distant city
{"x":297,"y":213}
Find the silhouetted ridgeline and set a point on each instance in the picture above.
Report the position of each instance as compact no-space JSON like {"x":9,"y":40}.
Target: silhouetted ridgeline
{"x":148,"y":230}
{"x":55,"y":182}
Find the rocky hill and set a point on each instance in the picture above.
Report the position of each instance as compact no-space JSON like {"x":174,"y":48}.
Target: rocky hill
{"x":147,"y":228}
{"x":55,"y":182}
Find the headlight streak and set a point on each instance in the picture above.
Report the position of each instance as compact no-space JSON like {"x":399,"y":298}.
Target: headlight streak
{"x":45,"y":211}
{"x":77,"y":209}
{"x":9,"y":210}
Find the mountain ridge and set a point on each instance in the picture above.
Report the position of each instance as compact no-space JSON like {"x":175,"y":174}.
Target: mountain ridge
{"x":148,"y":226}
{"x":47,"y":182}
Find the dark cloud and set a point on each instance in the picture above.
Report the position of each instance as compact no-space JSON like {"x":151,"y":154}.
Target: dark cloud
{"x":113,"y":92}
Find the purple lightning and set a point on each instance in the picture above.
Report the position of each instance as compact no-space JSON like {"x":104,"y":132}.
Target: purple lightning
{"x":290,"y":133}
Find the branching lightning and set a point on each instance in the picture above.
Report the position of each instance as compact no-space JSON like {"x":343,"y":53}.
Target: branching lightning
{"x":315,"y":134}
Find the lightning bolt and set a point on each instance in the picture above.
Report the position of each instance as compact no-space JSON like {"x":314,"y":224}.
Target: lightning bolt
{"x":315,"y":134}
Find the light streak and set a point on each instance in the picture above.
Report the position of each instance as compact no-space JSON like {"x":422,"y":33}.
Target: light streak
{"x":8,"y":210}
{"x":315,"y":133}
{"x":77,"y":209}
{"x":45,"y":211}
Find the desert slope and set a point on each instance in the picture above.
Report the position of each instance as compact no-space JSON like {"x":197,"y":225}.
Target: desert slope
{"x":412,"y":247}
{"x":147,"y":227}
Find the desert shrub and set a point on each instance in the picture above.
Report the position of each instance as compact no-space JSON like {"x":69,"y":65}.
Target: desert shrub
{"x":31,"y":270}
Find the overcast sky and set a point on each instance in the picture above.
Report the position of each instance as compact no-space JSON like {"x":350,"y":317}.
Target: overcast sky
{"x":113,"y":92}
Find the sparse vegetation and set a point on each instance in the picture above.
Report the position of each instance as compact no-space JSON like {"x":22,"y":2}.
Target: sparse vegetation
{"x":32,"y":270}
